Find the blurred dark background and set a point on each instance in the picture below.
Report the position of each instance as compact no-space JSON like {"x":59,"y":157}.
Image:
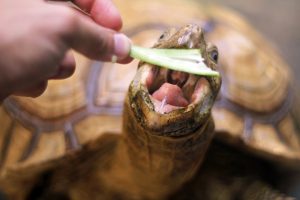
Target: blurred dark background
{"x":277,"y":20}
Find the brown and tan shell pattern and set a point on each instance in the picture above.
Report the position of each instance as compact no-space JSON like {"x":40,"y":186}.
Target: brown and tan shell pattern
{"x":255,"y":106}
{"x":252,"y":110}
{"x":33,"y":130}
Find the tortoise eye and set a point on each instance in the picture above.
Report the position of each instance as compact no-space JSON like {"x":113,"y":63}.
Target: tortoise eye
{"x":214,"y":55}
{"x":162,"y":36}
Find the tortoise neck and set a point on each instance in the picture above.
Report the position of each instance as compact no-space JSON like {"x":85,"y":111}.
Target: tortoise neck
{"x":160,"y":163}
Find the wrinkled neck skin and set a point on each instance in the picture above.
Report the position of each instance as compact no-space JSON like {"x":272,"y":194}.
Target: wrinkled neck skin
{"x":155,"y":166}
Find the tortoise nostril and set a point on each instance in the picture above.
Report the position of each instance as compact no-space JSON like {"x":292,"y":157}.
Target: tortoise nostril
{"x":177,"y":78}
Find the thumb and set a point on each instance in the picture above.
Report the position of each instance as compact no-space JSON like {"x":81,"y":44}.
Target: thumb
{"x":97,"y":42}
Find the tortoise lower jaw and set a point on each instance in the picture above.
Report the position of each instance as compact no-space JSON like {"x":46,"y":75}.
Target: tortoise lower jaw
{"x":179,"y":121}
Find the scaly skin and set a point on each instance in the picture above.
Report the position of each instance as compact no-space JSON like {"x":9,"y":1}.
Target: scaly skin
{"x":159,"y":165}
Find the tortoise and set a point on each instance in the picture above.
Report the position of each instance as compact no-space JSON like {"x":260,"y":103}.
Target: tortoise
{"x":70,"y":115}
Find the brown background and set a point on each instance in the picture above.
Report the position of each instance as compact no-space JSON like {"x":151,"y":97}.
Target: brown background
{"x":277,"y":20}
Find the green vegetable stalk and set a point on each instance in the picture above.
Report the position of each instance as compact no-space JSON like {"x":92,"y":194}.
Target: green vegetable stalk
{"x":185,"y":60}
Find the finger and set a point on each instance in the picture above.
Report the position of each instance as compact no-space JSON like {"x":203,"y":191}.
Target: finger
{"x":33,"y":91}
{"x":95,"y":41}
{"x":66,"y":68}
{"x":103,"y":12}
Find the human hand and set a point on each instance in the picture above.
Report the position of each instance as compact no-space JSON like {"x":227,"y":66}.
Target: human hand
{"x":36,"y":38}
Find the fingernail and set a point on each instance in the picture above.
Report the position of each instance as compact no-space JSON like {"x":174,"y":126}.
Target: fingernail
{"x":122,"y":46}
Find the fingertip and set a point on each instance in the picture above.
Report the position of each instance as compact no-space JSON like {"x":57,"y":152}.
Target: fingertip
{"x":119,"y":51}
{"x":106,"y":14}
{"x":122,"y":46}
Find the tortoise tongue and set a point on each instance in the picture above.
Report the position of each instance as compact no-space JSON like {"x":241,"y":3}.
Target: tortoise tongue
{"x":172,"y":94}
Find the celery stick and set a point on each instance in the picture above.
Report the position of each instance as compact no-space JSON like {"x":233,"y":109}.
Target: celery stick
{"x":185,"y":60}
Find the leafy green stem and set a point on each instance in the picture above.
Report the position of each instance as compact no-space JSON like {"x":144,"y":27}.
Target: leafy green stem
{"x":185,"y":60}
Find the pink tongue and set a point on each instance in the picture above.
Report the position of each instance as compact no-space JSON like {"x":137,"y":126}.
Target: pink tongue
{"x":172,"y":93}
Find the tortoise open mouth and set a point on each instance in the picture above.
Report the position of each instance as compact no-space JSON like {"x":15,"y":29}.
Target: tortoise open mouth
{"x":171,"y":103}
{"x":171,"y":90}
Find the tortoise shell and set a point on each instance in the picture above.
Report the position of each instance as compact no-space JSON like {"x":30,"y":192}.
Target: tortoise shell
{"x":252,"y":111}
{"x":256,"y":101}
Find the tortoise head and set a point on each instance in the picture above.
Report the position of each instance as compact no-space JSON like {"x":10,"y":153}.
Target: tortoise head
{"x":167,"y":121}
{"x":172,"y":103}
